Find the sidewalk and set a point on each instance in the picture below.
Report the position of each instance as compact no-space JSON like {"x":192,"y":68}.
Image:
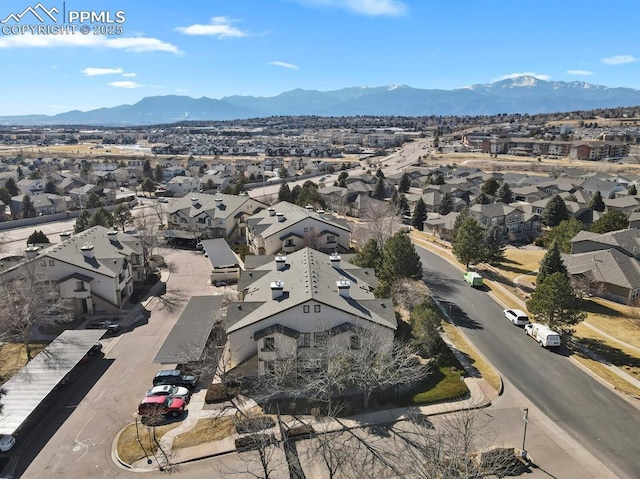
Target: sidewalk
{"x":480,"y":395}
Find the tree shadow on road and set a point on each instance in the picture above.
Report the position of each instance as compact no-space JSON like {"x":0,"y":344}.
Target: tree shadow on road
{"x":459,"y":317}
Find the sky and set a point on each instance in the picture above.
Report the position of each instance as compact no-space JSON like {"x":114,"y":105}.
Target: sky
{"x":122,"y":51}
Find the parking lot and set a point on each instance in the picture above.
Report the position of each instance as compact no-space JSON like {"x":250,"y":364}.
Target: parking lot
{"x":82,"y":421}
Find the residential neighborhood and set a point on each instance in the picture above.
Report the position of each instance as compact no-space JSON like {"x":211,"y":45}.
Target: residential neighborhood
{"x":229,"y":292}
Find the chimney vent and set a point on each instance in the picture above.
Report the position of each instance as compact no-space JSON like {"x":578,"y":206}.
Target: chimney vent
{"x":343,"y":287}
{"x":195,"y":202}
{"x":31,"y":251}
{"x":281,"y":262}
{"x":335,"y":260}
{"x":277,"y":288}
{"x":309,"y":207}
{"x":272,"y":211}
{"x":320,"y":214}
{"x":65,"y":235}
{"x":281,"y":217}
{"x":87,"y":250}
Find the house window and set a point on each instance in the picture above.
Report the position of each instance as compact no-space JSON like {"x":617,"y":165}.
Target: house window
{"x":316,"y":308}
{"x":269,"y":344}
{"x":304,"y":340}
{"x":331,"y":239}
{"x":635,"y":293}
{"x":201,"y":220}
{"x":305,"y":308}
{"x":208,"y":221}
{"x":306,"y":229}
{"x":354,"y":342}
{"x":51,"y":263}
{"x":289,"y":242}
{"x":319,"y":340}
{"x":79,"y":286}
{"x":220,"y":222}
{"x":43,"y":263}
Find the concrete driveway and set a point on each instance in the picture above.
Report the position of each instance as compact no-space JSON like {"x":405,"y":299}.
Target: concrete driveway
{"x":74,"y":437}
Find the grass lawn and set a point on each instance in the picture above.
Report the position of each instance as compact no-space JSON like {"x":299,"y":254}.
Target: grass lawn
{"x":13,"y":357}
{"x":520,"y":261}
{"x":443,"y":385}
{"x":486,"y":371}
{"x":205,"y":430}
{"x":613,"y":319}
{"x":130,"y":450}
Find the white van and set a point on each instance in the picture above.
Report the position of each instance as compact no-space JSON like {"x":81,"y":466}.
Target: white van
{"x":546,"y":337}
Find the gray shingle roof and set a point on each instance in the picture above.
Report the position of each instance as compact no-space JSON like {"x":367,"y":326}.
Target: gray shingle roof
{"x":265,"y":225}
{"x":109,"y":250}
{"x":225,"y":208}
{"x":308,"y":277}
{"x":606,"y":266}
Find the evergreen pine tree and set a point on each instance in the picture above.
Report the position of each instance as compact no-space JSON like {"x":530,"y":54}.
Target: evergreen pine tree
{"x":378,"y":193}
{"x":494,"y":246}
{"x":555,"y":212}
{"x":419,"y":215}
{"x":551,"y":263}
{"x":405,"y":183}
{"x":505,"y":194}
{"x":596,"y":203}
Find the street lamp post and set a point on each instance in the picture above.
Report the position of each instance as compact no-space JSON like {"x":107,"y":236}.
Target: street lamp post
{"x":524,"y":435}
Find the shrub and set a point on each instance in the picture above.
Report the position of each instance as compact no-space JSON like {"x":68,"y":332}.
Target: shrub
{"x":304,"y":430}
{"x":217,"y":392}
{"x":254,"y":442}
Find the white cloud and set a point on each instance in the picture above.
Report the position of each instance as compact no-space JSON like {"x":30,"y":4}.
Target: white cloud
{"x":525,"y":74}
{"x":125,"y":84}
{"x":371,"y":8}
{"x":290,"y":66}
{"x":181,"y":90}
{"x":129,"y":44}
{"x":619,"y":59}
{"x":130,"y":74}
{"x":583,"y":73}
{"x":220,"y":27}
{"x":92,"y":72}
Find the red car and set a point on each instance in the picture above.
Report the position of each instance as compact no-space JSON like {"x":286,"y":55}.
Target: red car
{"x":165,"y":405}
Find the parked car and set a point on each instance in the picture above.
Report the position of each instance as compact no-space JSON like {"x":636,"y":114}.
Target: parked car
{"x":516,"y":316}
{"x":546,"y":337}
{"x":165,"y":405}
{"x":170,"y":390}
{"x":175,"y":377}
{"x":110,"y":326}
{"x":7,"y":441}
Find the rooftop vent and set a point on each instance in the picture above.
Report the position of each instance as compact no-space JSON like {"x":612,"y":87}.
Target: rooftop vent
{"x":280,"y":217}
{"x":31,"y":251}
{"x":335,"y":260}
{"x":87,"y":250}
{"x":277,"y":289}
{"x":309,"y":207}
{"x":320,"y":214}
{"x":272,"y":211}
{"x":281,"y":262}
{"x":343,"y":287}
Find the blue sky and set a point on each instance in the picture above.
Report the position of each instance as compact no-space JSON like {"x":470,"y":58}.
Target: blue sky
{"x":218,"y":48}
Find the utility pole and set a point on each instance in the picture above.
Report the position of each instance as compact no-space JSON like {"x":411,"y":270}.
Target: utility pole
{"x":524,"y":436}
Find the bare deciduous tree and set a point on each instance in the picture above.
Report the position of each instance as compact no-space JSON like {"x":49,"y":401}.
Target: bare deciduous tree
{"x":380,"y":222}
{"x":149,"y":238}
{"x":28,"y":302}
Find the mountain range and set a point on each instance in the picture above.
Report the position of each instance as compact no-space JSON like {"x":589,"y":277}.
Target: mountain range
{"x":524,"y":94}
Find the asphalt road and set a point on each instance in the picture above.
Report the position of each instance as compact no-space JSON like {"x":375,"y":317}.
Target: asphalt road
{"x":599,"y":419}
